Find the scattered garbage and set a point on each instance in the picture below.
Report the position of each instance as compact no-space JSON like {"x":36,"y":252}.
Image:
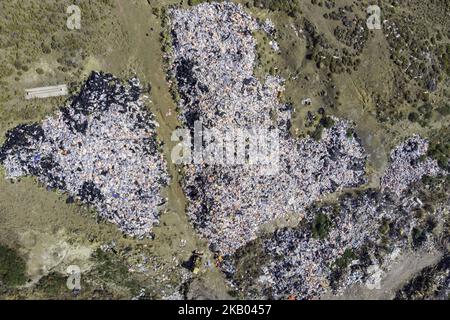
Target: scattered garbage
{"x":407,"y":166}
{"x":213,"y":62}
{"x":101,"y":149}
{"x":45,"y":92}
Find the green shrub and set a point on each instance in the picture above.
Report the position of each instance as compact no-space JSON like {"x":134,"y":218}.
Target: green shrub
{"x":111,"y":268}
{"x":327,"y":122}
{"x":46,"y":49}
{"x":12,"y":267}
{"x":155,"y":12}
{"x":53,"y":284}
{"x":17,"y":64}
{"x":5,"y":70}
{"x":384,"y":228}
{"x":439,"y":149}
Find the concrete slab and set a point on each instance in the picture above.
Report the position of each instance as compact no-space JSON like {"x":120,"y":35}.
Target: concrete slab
{"x":45,"y":92}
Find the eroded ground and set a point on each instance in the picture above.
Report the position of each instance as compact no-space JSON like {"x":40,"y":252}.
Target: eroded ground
{"x":366,"y":84}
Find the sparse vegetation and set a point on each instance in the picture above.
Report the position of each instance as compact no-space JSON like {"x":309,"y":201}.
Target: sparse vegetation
{"x":439,"y":148}
{"x":52,"y":285}
{"x":388,"y":91}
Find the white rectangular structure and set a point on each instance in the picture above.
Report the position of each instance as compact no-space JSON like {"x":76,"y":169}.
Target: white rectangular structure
{"x":45,"y":92}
